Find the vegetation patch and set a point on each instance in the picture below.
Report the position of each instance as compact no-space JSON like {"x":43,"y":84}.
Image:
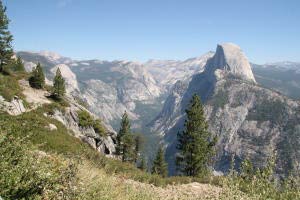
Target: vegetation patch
{"x":268,"y":110}
{"x":29,"y":174}
{"x":86,"y":120}
{"x":9,"y":87}
{"x":259,"y":184}
{"x":220,"y":99}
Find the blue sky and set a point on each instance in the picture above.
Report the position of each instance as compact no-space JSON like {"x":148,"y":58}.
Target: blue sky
{"x":267,"y":30}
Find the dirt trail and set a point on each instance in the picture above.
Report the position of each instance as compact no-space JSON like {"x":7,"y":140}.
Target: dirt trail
{"x":124,"y":188}
{"x":34,"y":96}
{"x":176,"y":192}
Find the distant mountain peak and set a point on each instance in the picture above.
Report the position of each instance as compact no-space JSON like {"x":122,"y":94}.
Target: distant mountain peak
{"x":50,"y":54}
{"x":230,"y":57}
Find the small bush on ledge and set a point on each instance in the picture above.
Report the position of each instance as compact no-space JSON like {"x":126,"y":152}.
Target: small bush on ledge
{"x":86,"y":120}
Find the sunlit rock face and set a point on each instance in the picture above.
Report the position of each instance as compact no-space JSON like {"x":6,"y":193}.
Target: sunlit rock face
{"x":231,"y":59}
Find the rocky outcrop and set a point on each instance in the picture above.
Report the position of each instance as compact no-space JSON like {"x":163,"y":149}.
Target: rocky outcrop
{"x":69,"y":118}
{"x":14,"y":107}
{"x":230,"y":59}
{"x":34,"y":97}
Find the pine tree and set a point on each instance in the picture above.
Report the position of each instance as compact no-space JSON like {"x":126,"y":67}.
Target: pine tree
{"x":125,"y":128}
{"x":37,"y":79}
{"x":138,"y":144}
{"x":19,"y":66}
{"x":159,"y":164}
{"x":6,"y":50}
{"x":59,"y":88}
{"x":125,"y":140}
{"x":195,"y":143}
{"x":128,"y":148}
{"x":143,"y":164}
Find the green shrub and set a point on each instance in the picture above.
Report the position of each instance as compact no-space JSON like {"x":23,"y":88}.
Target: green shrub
{"x":98,"y":127}
{"x":220,"y":99}
{"x":82,"y":102}
{"x":26,"y":174}
{"x":259,"y":184}
{"x":86,"y":120}
{"x":37,"y":79}
{"x":9,"y":87}
{"x":268,"y":110}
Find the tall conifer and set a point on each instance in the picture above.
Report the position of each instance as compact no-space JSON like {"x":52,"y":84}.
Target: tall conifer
{"x":138,"y":141}
{"x":37,"y":79}
{"x":19,"y":65}
{"x":125,"y":141}
{"x":6,"y":50}
{"x":59,"y":88}
{"x":195,"y":143}
{"x":143,"y":164}
{"x":159,"y":164}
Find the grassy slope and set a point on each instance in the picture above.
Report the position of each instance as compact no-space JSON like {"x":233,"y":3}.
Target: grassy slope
{"x":9,"y":86}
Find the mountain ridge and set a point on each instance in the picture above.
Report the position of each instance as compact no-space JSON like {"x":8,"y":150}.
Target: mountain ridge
{"x":238,"y":111}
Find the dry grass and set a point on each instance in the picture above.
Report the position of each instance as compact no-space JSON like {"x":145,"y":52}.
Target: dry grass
{"x":97,"y":184}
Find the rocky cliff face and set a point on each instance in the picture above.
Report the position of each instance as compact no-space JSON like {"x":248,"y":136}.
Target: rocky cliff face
{"x":168,"y":72}
{"x":249,"y":120}
{"x":14,"y":107}
{"x":230,"y":59}
{"x":69,"y":118}
{"x":110,"y":88}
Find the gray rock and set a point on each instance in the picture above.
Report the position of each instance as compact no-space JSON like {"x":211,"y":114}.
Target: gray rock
{"x":106,"y":146}
{"x":89,"y":140}
{"x":15,"y":107}
{"x":70,"y":119}
{"x":230,"y":58}
{"x":52,"y":127}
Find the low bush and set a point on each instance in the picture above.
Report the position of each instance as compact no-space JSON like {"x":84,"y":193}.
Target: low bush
{"x":29,"y":174}
{"x":86,"y":120}
{"x":9,"y":87}
{"x":259,"y":184}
